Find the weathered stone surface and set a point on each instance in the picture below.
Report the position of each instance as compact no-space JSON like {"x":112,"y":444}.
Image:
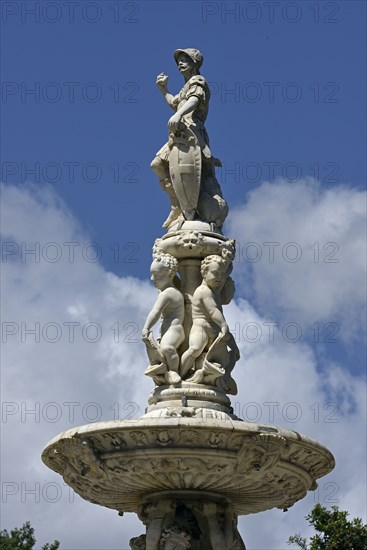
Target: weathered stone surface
{"x":119,"y":464}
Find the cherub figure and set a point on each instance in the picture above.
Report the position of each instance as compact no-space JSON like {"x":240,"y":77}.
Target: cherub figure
{"x":169,"y":306}
{"x":208,"y":322}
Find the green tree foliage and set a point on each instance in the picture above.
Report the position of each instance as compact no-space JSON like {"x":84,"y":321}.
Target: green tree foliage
{"x":333,"y":531}
{"x":23,"y":539}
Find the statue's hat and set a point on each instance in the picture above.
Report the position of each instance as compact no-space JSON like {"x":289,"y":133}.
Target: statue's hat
{"x":195,"y":55}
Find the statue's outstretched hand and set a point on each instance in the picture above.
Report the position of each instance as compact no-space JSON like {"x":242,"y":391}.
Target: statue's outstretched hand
{"x":162,"y":80}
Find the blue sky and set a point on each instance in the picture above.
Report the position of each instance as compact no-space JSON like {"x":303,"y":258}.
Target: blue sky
{"x":324,"y":125}
{"x":287,"y":119}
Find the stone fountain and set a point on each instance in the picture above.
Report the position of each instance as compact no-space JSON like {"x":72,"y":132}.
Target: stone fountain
{"x":189,"y":467}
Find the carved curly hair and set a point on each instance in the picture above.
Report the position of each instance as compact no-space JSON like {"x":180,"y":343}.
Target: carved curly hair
{"x":168,"y":261}
{"x":213,"y":258}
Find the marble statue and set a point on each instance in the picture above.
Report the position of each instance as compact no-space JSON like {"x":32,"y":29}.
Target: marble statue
{"x":169,"y":306}
{"x":185,"y":165}
{"x":189,"y":466}
{"x":209,"y":326}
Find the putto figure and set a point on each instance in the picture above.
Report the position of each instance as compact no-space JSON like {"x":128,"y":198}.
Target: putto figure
{"x":185,"y":165}
{"x":169,"y":306}
{"x":208,"y":322}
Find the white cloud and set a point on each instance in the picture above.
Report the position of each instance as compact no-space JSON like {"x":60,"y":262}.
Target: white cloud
{"x":308,"y":260}
{"x":282,"y":383}
{"x":274,"y":375}
{"x":57,"y":380}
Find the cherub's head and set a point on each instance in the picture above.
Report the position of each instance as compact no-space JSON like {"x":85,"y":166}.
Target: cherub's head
{"x":162,"y":270}
{"x":213,"y":270}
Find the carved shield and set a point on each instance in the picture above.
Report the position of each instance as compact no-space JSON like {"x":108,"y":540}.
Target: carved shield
{"x":185,"y":168}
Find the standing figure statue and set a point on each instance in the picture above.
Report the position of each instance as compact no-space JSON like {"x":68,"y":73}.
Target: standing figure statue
{"x":170,"y":307}
{"x":185,"y":165}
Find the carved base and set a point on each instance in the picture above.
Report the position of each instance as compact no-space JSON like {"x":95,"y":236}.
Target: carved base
{"x":189,"y":400}
{"x":188,"y":520}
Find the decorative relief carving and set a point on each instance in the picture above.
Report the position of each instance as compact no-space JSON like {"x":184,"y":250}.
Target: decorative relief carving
{"x":258,"y":469}
{"x":315,"y":462}
{"x":164,"y":439}
{"x":261,"y":453}
{"x":140,"y":438}
{"x":189,"y":240}
{"x":179,"y":412}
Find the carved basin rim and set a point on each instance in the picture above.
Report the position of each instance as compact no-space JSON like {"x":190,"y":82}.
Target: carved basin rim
{"x":121,"y":464}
